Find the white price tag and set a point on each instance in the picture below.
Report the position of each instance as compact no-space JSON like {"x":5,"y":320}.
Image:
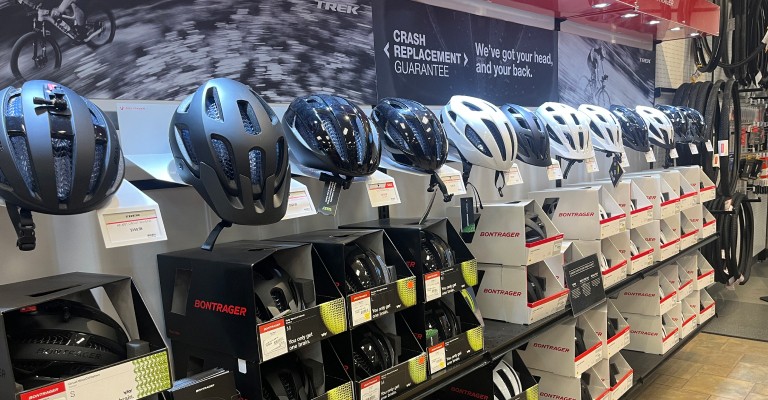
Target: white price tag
{"x":624,"y":161}
{"x":432,"y":286}
{"x":649,"y":156}
{"x":554,"y":172}
{"x":452,"y":179}
{"x":371,"y":389}
{"x":592,"y":165}
{"x":299,"y":202}
{"x":673,"y":154}
{"x":272,"y":339}
{"x":128,"y":226}
{"x":513,"y":177}
{"x":708,"y":145}
{"x":694,"y":149}
{"x":382,"y":190}
{"x":722,"y":147}
{"x":436,"y":357}
{"x":360,"y":304}
{"x":130,"y":218}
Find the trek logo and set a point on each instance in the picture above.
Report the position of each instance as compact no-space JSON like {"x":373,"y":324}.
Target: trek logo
{"x":72,"y":353}
{"x":500,"y":234}
{"x":640,"y":294}
{"x":646,"y":333}
{"x":575,"y":214}
{"x":555,"y":396}
{"x":512,"y":293}
{"x":338,"y":7}
{"x":410,"y":264}
{"x":237,"y":311}
{"x":550,"y":347}
{"x":645,"y":60}
{"x":469,"y":393}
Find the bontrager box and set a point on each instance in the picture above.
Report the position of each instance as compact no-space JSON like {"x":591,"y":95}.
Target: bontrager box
{"x":706,"y":306}
{"x":613,"y":266}
{"x":708,"y":189}
{"x":631,"y":199}
{"x":319,"y":361}
{"x":664,"y":198}
{"x":636,"y":260}
{"x":653,"y":295}
{"x":568,"y":254}
{"x":673,"y":180}
{"x":554,"y":386}
{"x":410,"y":239}
{"x":669,"y":239}
{"x":684,"y":317}
{"x":679,"y":278}
{"x":604,"y":317}
{"x":497,"y":233}
{"x":624,"y":376}
{"x":145,"y":370}
{"x":702,"y":220}
{"x":335,"y":246}
{"x":662,"y":249}
{"x":556,"y":351}
{"x":689,"y":234}
{"x":583,"y":212}
{"x":700,"y":269}
{"x":654,"y":334}
{"x":503,"y":293}
{"x":210,"y":298}
{"x":691,"y":174}
{"x":479,"y":384}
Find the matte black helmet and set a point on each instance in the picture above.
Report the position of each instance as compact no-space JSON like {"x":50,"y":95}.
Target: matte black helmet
{"x":59,"y":154}
{"x":332,"y":134}
{"x":287,"y":379}
{"x":633,"y":129}
{"x":677,"y":117}
{"x":275,"y":292}
{"x":229,"y":145}
{"x":532,"y":138}
{"x":413,"y":137}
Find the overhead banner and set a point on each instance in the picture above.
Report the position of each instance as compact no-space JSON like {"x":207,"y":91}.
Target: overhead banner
{"x":429,"y":54}
{"x":163,"y":50}
{"x":596,"y":72}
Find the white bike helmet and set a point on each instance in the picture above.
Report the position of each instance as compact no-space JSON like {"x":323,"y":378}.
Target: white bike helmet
{"x":604,"y":129}
{"x":568,"y":131}
{"x":480,"y":132}
{"x":661,"y":132}
{"x":506,"y":382}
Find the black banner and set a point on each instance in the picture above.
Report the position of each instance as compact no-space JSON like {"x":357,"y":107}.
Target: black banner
{"x":429,"y":54}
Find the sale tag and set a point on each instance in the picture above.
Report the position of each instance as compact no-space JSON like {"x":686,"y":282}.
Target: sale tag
{"x":708,"y":145}
{"x":554,"y":172}
{"x":513,"y":177}
{"x":649,"y":156}
{"x":272,"y":339}
{"x":299,"y":201}
{"x":673,"y":154}
{"x":624,"y":161}
{"x":432,"y":286}
{"x":382,"y":190}
{"x":694,"y":149}
{"x":360,"y":304}
{"x":715,"y":160}
{"x":436,"y":357}
{"x":452,"y":180}
{"x":722,"y":147}
{"x":130,"y":218}
{"x":371,"y":389}
{"x":592,"y":165}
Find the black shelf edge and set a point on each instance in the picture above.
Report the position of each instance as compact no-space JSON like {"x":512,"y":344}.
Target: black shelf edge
{"x":503,"y":337}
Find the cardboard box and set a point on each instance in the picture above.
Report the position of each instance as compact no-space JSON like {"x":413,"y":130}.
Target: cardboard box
{"x":554,"y":386}
{"x":642,"y":259}
{"x":665,"y":199}
{"x":575,"y":211}
{"x":498,"y":233}
{"x":652,"y":334}
{"x":568,"y":254}
{"x":209,"y":302}
{"x":621,"y":338}
{"x":707,"y":188}
{"x":689,"y":233}
{"x":616,"y":269}
{"x":693,"y":304}
{"x":691,"y":175}
{"x":479,"y":384}
{"x":644,"y":296}
{"x":625,"y":377}
{"x":706,"y":307}
{"x":631,"y":199}
{"x":139,"y":375}
{"x":684,"y":317}
{"x":555,"y":349}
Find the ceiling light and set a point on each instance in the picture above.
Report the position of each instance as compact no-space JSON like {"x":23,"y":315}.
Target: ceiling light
{"x":630,"y":15}
{"x":654,"y":22}
{"x":601,"y":5}
{"x":695,"y":34}
{"x":677,"y":28}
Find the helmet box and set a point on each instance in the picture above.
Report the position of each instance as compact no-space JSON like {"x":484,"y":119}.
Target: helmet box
{"x":568,"y":349}
{"x":237,"y":297}
{"x":664,"y":196}
{"x":507,"y":378}
{"x":583,"y":212}
{"x":107,"y":331}
{"x":631,"y":199}
{"x":615,"y":268}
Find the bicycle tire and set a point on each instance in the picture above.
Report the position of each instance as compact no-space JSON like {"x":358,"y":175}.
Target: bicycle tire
{"x":113,"y":31}
{"x":21,"y":43}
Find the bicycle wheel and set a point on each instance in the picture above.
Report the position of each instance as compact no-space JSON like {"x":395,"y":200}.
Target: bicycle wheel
{"x":35,"y":56}
{"x":602,"y":98}
{"x":101,"y":28}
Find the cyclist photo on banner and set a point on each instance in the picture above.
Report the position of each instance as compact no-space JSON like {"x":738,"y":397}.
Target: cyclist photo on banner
{"x":594,"y":60}
{"x":77,"y":13}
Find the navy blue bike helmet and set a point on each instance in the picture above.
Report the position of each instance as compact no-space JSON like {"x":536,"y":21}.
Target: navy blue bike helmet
{"x":634,"y":131}
{"x":532,"y":138}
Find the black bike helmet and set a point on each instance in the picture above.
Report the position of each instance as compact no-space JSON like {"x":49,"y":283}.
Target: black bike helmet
{"x":332,"y":134}
{"x":436,"y":254}
{"x":578,"y":338}
{"x":440,"y":317}
{"x":275,"y":292}
{"x":679,"y":122}
{"x":59,"y":339}
{"x":694,"y":124}
{"x":535,"y":230}
{"x":287,"y":379}
{"x":633,"y":129}
{"x":229,"y":145}
{"x":536,"y":287}
{"x":372,"y":351}
{"x":532,"y":139}
{"x":365,"y":269}
{"x":59,"y":155}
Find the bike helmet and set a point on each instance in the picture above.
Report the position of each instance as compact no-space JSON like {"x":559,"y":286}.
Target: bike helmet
{"x":568,"y":131}
{"x":534,"y":228}
{"x":694,"y":126}
{"x":532,"y":140}
{"x":373,"y":352}
{"x":59,"y":154}
{"x":332,"y":134}
{"x":440,"y":317}
{"x":365,"y":269}
{"x":614,"y":372}
{"x":287,"y":379}
{"x":506,"y":382}
{"x":436,"y":254}
{"x":585,"y":379}
{"x":612,"y":327}
{"x":604,"y":129}
{"x":660,"y":130}
{"x":229,"y":145}
{"x":275,"y":291}
{"x":61,"y":338}
{"x":536,"y":287}
{"x":634,"y":131}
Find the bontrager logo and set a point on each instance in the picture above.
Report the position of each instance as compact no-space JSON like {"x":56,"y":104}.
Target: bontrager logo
{"x":66,"y":352}
{"x":338,"y":7}
{"x":469,"y":393}
{"x":575,"y":214}
{"x":238,"y":311}
{"x":500,"y":234}
{"x":204,"y":388}
{"x":640,"y":294}
{"x":550,"y":347}
{"x":646,"y":333}
{"x":555,"y":396}
{"x":512,"y":293}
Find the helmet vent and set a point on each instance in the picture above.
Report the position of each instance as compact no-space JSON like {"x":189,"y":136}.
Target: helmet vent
{"x":280,"y":155}
{"x":62,"y":165}
{"x":575,"y":119}
{"x":552,"y":135}
{"x":224,"y":157}
{"x":98,"y":162}
{"x":212,"y":108}
{"x":452,"y":115}
{"x":184,"y":141}
{"x":396,"y":105}
{"x":396,"y":137}
{"x":23,"y":161}
{"x":497,"y":137}
{"x":118,"y":157}
{"x":471,"y":106}
{"x":595,"y":129}
{"x":522,"y":122}
{"x":256,"y":161}
{"x":289,"y":385}
{"x":13,"y":115}
{"x":473,"y":137}
{"x":559,"y":119}
{"x":335,"y":135}
{"x":250,"y":122}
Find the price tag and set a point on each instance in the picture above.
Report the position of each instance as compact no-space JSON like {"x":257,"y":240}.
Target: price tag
{"x":272,"y":339}
{"x":300,"y":203}
{"x":715,"y":160}
{"x":622,"y":225}
{"x":130,"y":218}
{"x":437,"y":357}
{"x":592,"y":165}
{"x":673,"y":154}
{"x":452,"y":179}
{"x":650,"y":157}
{"x":694,"y":149}
{"x":513,"y":177}
{"x":554,"y":172}
{"x":432,"y":285}
{"x":624,"y":161}
{"x":360,"y":304}
{"x":382,"y":190}
{"x":708,"y":145}
{"x":371,"y":389}
{"x":722,"y":147}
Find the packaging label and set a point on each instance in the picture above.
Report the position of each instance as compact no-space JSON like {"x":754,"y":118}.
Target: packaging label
{"x":437,"y":357}
{"x":624,"y":161}
{"x":592,"y":165}
{"x":641,"y":216}
{"x":299,"y":202}
{"x":650,"y":157}
{"x":360,"y":305}
{"x":371,"y":389}
{"x":694,"y":148}
{"x":722,"y":147}
{"x":432,"y":287}
{"x":708,"y":145}
{"x":673,"y":154}
{"x":452,"y":180}
{"x":382,"y":192}
{"x":513,"y":177}
{"x":554,"y":172}
{"x":272,"y":339}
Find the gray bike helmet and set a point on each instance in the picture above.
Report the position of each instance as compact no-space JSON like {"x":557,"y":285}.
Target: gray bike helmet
{"x":229,"y":145}
{"x":59,"y":155}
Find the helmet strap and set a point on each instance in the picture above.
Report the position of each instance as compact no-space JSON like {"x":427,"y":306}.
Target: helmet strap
{"x":466,"y":169}
{"x":568,"y":167}
{"x":435,"y":180}
{"x":24,"y":226}
{"x":503,"y":182}
{"x":668,"y":161}
{"x":211,"y":240}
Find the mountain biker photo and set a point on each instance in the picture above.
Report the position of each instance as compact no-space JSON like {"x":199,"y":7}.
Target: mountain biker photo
{"x":77,"y":12}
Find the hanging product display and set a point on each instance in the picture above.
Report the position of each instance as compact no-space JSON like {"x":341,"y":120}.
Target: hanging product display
{"x":532,"y":139}
{"x":634,"y":130}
